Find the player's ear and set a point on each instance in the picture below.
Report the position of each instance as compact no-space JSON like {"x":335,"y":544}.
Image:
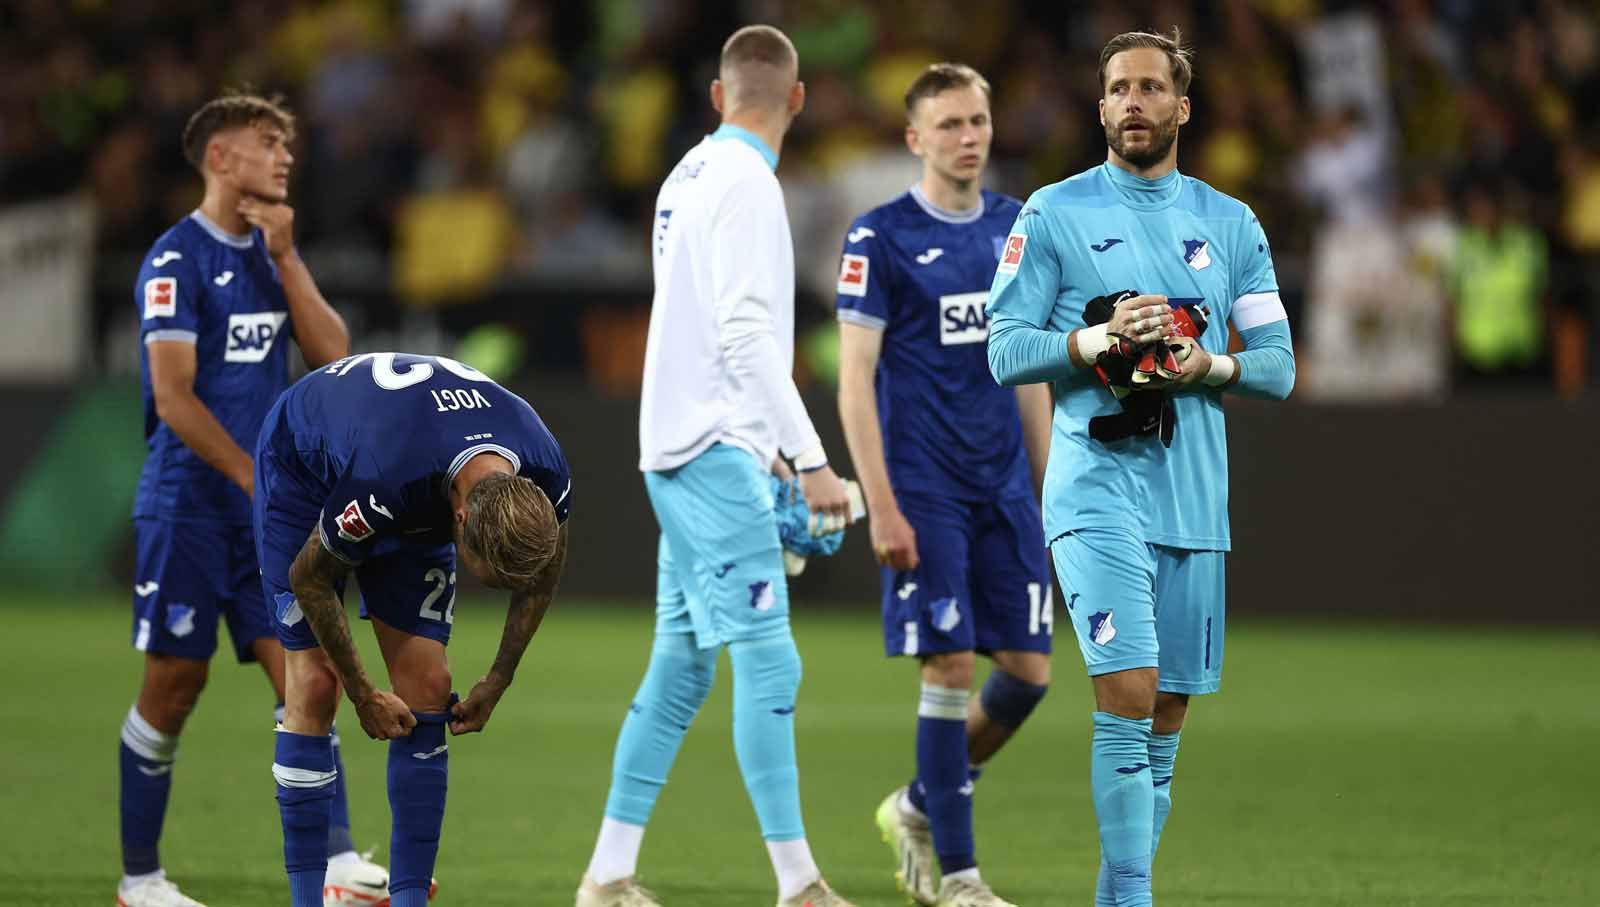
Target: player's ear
{"x":1183,"y":110}
{"x":797,"y":99}
{"x":913,"y":140}
{"x":216,"y":156}
{"x":716,"y":95}
{"x":1102,"y":111}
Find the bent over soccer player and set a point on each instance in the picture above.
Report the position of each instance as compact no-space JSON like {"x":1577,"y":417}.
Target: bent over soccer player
{"x":391,"y":465}
{"x":1118,"y":284}
{"x":939,"y":449}
{"x":218,"y":295}
{"x":719,"y":405}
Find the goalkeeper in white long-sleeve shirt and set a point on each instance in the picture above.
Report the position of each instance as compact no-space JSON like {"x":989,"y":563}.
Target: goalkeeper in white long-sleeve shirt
{"x":719,"y":407}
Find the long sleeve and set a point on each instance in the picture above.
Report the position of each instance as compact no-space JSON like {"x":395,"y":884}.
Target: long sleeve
{"x":1266,"y":365}
{"x":1021,"y":349}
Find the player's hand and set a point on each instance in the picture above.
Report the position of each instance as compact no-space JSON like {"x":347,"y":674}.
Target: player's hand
{"x":385,"y":716}
{"x":276,"y":221}
{"x":894,"y":542}
{"x":472,"y":713}
{"x":1142,"y":319}
{"x":1194,"y":362}
{"x":827,"y":500}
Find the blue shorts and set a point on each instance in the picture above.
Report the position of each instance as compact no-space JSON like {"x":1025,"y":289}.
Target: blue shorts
{"x":186,"y":575}
{"x":719,"y":566}
{"x":408,"y":584}
{"x":981,"y":584}
{"x":1137,"y":605}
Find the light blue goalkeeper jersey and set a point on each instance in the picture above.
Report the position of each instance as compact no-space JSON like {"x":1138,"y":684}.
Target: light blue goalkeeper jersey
{"x":1100,"y":232}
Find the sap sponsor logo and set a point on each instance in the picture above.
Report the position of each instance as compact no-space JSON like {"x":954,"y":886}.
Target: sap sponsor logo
{"x":762,"y":597}
{"x":288,"y":609}
{"x":161,"y":297}
{"x":853,"y":275}
{"x":1197,"y":252}
{"x":180,"y":620}
{"x":860,"y":233}
{"x":167,"y":256}
{"x":1011,"y":255}
{"x":352,"y":523}
{"x":1101,"y":630}
{"x":250,"y":337}
{"x":946,"y":613}
{"x":963,"y":319}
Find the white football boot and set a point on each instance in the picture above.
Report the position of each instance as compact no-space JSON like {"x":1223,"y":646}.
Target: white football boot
{"x":954,"y":892}
{"x":916,"y":867}
{"x":153,"y":891}
{"x":817,"y":894}
{"x":353,"y":880}
{"x":621,"y":893}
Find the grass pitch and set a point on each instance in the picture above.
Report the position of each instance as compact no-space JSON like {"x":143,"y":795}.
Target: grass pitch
{"x":1355,"y":765}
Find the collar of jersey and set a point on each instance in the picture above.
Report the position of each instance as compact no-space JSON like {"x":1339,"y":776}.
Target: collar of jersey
{"x":1138,"y":192}
{"x":219,"y":234}
{"x":730,"y":131}
{"x":944,"y":214}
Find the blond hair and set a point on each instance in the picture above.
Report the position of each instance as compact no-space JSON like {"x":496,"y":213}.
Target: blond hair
{"x":512,"y":526}
{"x":939,"y":78}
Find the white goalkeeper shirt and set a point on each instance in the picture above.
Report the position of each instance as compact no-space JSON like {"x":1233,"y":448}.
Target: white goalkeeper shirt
{"x":720,"y":356}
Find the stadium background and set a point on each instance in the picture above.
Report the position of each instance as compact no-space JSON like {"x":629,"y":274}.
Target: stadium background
{"x":1414,"y":530}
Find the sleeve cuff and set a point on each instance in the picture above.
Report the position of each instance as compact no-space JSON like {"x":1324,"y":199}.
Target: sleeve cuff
{"x":171,"y":334}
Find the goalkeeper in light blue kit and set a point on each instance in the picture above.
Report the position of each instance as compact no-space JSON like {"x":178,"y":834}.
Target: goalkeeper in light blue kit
{"x":1117,"y":285}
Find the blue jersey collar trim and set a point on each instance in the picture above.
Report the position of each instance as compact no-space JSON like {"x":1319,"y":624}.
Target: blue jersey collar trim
{"x":1139,"y":192}
{"x":739,"y":133}
{"x":219,"y":234}
{"x":943,"y":214}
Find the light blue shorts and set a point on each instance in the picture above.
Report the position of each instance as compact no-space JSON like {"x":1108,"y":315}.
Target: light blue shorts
{"x":1137,"y":605}
{"x":719,"y":567}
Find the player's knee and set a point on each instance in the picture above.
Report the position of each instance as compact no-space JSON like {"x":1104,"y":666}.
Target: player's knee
{"x":1009,"y":700}
{"x":1033,"y":667}
{"x":171,"y":689}
{"x":951,"y":670}
{"x":1171,"y":710}
{"x":767,"y":668}
{"x":426,"y":689}
{"x":1127,"y":694}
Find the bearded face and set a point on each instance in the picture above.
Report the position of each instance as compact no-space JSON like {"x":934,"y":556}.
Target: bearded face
{"x":1139,"y":141}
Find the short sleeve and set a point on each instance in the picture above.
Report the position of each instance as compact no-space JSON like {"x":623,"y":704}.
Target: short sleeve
{"x":863,"y":291}
{"x":354,"y":517}
{"x":168,"y":296}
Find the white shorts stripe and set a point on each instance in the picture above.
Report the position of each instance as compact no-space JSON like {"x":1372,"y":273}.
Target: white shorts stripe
{"x":1255,"y":309}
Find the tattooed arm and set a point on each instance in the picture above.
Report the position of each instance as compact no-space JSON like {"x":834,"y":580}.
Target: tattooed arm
{"x":313,"y":577}
{"x":523,"y":617}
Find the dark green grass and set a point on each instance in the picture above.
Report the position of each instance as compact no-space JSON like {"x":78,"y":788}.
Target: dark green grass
{"x":1341,"y":765}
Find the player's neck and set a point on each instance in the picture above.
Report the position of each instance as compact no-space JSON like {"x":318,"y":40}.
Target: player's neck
{"x":949,"y":195}
{"x":1153,"y":172}
{"x":768,"y":127}
{"x":221,"y":207}
{"x":472,"y":472}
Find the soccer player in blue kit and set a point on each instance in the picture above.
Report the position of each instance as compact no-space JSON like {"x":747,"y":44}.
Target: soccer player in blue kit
{"x":939,"y":450}
{"x":1136,"y":508}
{"x":218,"y":295}
{"x":391,"y":465}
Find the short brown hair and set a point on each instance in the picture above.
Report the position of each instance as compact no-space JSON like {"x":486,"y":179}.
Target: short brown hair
{"x":1172,"y":45}
{"x":230,"y":112}
{"x":512,"y":526}
{"x":758,"y":65}
{"x":941,"y":77}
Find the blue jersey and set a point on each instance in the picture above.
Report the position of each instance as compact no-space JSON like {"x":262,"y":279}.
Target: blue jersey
{"x":921,"y":275}
{"x":220,"y":292}
{"x":1100,"y":232}
{"x":375,"y":439}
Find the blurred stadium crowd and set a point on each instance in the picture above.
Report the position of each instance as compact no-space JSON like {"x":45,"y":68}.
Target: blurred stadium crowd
{"x":1428,"y":170}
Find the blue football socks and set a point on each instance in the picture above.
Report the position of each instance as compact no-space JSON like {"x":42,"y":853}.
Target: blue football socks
{"x":1124,"y":802}
{"x":1163,"y":755}
{"x":766,"y":680}
{"x":943,"y":775}
{"x":419,"y":775}
{"x":146,"y":756}
{"x":675,"y":684}
{"x":339,"y":838}
{"x":303,"y":767}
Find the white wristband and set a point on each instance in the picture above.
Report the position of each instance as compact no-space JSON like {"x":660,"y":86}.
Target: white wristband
{"x":809,"y":460}
{"x":1092,"y":342}
{"x":1221,"y":371}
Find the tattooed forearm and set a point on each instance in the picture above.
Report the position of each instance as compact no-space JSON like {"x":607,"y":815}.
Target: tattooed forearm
{"x":312,"y":577}
{"x":525,"y":613}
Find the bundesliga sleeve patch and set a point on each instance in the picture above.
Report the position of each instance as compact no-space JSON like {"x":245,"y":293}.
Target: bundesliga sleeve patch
{"x":853,"y":275}
{"x":353,"y":525}
{"x":161,"y":297}
{"x":1011,"y":256}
